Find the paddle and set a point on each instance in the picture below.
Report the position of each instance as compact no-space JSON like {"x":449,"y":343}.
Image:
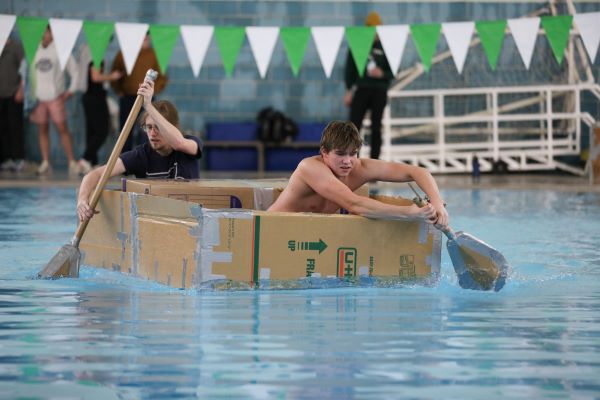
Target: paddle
{"x":66,"y":261}
{"x":478,"y":265}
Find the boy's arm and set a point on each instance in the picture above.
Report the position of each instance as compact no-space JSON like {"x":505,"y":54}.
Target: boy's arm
{"x":168,"y":131}
{"x":400,"y":172}
{"x":89,"y":183}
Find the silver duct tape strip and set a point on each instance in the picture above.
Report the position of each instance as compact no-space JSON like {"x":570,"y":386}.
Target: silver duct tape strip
{"x":134,"y":237}
{"x":122,"y":236}
{"x":264,"y":273}
{"x":264,"y":278}
{"x":183,"y":273}
{"x":263,"y":198}
{"x":434,"y":260}
{"x":424,"y":230}
{"x":207,"y":236}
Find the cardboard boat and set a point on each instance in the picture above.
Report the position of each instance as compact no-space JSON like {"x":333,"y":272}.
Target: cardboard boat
{"x":216,"y":233}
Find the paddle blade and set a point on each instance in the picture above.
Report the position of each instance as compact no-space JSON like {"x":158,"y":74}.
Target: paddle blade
{"x":478,"y":265}
{"x":65,"y":263}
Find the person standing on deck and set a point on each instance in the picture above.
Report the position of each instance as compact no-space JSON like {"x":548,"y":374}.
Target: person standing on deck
{"x":369,"y":91}
{"x":49,"y":89}
{"x":167,"y":154}
{"x":95,"y":108}
{"x":12,"y":140}
{"x":326,"y":182}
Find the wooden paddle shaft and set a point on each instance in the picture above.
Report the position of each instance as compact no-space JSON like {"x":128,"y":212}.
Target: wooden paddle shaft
{"x":151,"y":74}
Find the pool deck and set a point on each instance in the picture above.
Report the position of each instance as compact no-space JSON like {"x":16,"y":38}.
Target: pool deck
{"x":511,"y":181}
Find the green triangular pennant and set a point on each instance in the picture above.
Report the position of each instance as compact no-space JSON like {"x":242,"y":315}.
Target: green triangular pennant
{"x":229,"y":40}
{"x":360,"y":41}
{"x":98,"y":35}
{"x":163,"y":40}
{"x":295,"y":40}
{"x":557,"y":31}
{"x":491,"y":34}
{"x":31,"y":30}
{"x":425,"y":37}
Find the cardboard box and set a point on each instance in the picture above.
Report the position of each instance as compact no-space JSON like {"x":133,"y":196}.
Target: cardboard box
{"x":183,"y":245}
{"x":221,"y":193}
{"x":253,"y":194}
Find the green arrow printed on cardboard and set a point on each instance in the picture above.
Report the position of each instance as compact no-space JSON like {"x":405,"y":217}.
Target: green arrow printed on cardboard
{"x":320,"y":245}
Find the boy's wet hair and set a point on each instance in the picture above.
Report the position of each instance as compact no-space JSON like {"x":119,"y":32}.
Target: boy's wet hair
{"x":166,"y":109}
{"x":340,"y":135}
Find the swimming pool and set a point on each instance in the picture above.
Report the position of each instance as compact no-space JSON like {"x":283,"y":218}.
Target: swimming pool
{"x":106,"y":336}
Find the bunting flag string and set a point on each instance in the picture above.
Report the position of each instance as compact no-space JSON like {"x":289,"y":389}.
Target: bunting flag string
{"x":98,"y":35}
{"x":196,"y":40}
{"x":458,"y":36}
{"x":6,"y":25}
{"x":524,"y":32}
{"x":131,"y":38}
{"x":327,"y":40}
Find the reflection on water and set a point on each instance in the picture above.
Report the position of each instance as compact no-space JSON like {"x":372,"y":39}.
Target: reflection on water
{"x":106,"y":336}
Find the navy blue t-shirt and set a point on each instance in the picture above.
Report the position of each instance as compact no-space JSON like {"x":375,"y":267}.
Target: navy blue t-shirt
{"x":143,"y":162}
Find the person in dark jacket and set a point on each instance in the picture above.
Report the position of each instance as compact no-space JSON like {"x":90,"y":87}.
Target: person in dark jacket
{"x":369,"y":92}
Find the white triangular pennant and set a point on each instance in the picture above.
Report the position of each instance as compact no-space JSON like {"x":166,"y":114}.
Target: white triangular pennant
{"x":6,"y":24}
{"x":524,"y":32}
{"x":262,"y":42}
{"x":65,"y":33}
{"x":393,"y":39}
{"x":328,"y":41}
{"x":589,"y":29}
{"x":458,"y":36}
{"x":131,"y":37}
{"x":196,"y":40}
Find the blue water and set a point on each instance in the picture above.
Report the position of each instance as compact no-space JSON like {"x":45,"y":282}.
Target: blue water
{"x":106,"y":336}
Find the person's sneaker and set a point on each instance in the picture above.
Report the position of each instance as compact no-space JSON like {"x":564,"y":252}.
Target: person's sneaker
{"x":45,"y":168}
{"x":19,"y":165}
{"x":73,"y":168}
{"x":84,"y":166}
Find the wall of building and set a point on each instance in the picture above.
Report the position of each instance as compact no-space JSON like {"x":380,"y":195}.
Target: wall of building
{"x":310,"y":96}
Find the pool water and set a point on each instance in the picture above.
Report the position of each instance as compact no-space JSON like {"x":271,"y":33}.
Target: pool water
{"x":108,"y":336}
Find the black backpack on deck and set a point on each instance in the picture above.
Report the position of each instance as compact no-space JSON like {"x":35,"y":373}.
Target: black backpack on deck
{"x":274,"y":126}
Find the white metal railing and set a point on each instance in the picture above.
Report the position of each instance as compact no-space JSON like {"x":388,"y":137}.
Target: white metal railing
{"x":442,"y":148}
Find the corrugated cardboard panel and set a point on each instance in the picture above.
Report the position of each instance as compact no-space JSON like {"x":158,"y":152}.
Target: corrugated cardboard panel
{"x":106,"y":242}
{"x":252,"y":194}
{"x":249,"y":194}
{"x":166,"y":251}
{"x":183,"y":245}
{"x":286,"y":246}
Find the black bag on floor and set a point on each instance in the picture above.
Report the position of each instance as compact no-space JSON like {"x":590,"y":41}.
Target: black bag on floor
{"x":274,"y":126}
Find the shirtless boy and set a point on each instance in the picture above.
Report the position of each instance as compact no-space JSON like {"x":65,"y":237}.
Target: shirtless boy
{"x":326,"y":182}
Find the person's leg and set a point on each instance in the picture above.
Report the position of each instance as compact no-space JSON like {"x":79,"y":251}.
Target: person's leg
{"x":44,"y":136}
{"x":4,"y":130}
{"x":379,"y":101}
{"x":96,"y":126}
{"x":16,"y":145}
{"x":358,"y":108}
{"x":59,"y":117}
{"x":39,"y":116}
